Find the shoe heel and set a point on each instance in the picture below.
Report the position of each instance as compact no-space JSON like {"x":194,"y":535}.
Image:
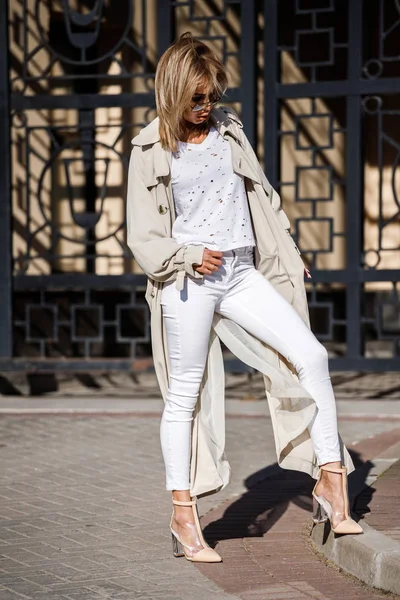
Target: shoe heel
{"x":319,"y":513}
{"x":177,"y":548}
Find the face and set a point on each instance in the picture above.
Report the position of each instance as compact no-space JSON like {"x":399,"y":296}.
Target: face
{"x":200,"y":96}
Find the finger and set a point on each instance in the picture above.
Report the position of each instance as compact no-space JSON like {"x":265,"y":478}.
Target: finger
{"x":212,"y":266}
{"x":214,"y":261}
{"x":204,"y":270}
{"x":208,"y":269}
{"x":212,"y":253}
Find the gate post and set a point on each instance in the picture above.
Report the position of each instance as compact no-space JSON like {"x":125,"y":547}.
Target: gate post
{"x":165,"y":26}
{"x":271,"y":101}
{"x":354,"y":195}
{"x":5,"y":193}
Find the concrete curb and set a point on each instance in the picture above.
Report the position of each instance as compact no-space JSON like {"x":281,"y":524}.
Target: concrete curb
{"x":372,"y":557}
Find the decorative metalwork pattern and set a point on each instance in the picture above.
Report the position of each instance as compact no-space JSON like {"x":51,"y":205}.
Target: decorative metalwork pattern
{"x":229,"y":28}
{"x":339,"y":157}
{"x":210,"y":23}
{"x":313,"y":40}
{"x":81,"y":87}
{"x":381,"y":322}
{"x":313,"y":135}
{"x":382,"y":55}
{"x":382,"y":195}
{"x":327,"y":308}
{"x":82,"y":323}
{"x":316,"y":84}
{"x":61,"y":43}
{"x":71,"y":194}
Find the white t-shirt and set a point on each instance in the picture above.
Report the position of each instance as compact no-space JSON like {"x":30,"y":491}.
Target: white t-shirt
{"x":210,"y":199}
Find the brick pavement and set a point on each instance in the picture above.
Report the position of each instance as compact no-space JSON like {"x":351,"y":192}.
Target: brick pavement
{"x":84,"y":514}
{"x":263,"y":536}
{"x":381,"y":504}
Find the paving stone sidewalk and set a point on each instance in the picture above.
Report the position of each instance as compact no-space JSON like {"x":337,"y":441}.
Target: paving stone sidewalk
{"x":380,"y":505}
{"x":84,"y":514}
{"x":264,"y":538}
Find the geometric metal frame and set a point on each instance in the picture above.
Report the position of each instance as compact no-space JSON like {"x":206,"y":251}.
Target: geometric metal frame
{"x":357,"y":84}
{"x":352,"y":89}
{"x":300,"y":169}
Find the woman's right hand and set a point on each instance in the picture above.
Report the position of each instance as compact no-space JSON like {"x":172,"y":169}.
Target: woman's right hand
{"x":211,"y":262}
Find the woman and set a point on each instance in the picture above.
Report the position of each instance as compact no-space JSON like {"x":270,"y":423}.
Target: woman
{"x":209,"y":231}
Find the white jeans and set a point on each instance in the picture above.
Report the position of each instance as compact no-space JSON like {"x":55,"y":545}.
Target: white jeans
{"x":238,"y":291}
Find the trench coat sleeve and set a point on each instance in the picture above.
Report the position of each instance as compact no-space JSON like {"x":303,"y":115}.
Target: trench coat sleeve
{"x":160,"y":257}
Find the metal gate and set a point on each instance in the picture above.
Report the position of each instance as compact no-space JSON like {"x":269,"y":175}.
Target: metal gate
{"x":317,"y":84}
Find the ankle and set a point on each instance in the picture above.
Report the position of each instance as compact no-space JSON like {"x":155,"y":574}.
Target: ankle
{"x":181,"y":496}
{"x":332,"y":474}
{"x":183,"y":514}
{"x":334,"y":464}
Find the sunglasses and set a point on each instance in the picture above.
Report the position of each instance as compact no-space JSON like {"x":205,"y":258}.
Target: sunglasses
{"x":198,"y":105}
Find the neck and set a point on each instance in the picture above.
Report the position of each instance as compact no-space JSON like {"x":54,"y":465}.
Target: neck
{"x":195,"y":130}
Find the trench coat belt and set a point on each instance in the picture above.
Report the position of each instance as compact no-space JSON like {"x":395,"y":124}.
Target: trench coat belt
{"x":180,"y":280}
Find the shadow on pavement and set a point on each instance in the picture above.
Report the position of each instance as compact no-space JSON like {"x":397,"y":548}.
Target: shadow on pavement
{"x":270,"y":492}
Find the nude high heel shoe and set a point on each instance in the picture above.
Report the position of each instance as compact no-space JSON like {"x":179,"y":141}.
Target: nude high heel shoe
{"x":323,"y":508}
{"x":198,"y":553}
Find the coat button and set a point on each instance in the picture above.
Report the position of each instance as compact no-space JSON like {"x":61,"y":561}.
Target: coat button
{"x":162,"y":209}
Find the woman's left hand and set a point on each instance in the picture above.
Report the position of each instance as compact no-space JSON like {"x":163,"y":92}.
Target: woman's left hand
{"x":307,"y":272}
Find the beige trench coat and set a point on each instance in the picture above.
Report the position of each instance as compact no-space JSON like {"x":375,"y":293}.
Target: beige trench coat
{"x":150,"y":215}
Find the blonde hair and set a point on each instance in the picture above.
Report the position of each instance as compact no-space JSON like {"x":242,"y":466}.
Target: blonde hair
{"x":187,"y":63}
